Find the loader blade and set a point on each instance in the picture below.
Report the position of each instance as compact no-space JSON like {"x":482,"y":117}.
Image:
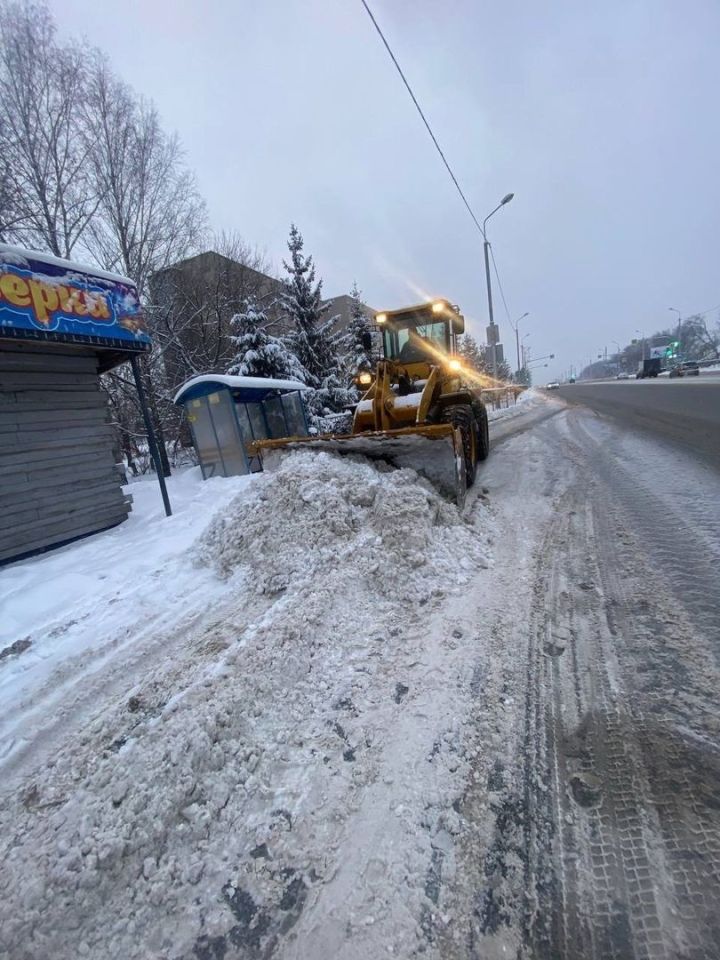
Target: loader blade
{"x":436,"y":453}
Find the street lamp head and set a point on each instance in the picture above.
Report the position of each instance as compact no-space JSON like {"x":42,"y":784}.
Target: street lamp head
{"x":506,"y":199}
{"x":527,"y":314}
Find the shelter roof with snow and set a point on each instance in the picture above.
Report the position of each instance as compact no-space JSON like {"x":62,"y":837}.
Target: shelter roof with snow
{"x":243,"y":389}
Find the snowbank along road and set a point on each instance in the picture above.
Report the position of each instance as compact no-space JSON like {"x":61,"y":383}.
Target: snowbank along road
{"x":342,"y":721}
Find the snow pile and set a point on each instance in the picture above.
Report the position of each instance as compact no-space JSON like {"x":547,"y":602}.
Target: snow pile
{"x":322,"y":515}
{"x":314,"y":703}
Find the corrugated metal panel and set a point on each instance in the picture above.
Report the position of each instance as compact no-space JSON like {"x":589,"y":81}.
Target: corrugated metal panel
{"x":57,"y":469}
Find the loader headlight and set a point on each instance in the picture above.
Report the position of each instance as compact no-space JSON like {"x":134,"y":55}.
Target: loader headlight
{"x":380,"y":318}
{"x":438,"y":307}
{"x":364,"y":378}
{"x":455,"y":365}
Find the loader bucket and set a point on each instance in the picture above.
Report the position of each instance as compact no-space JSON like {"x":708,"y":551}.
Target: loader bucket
{"x":435,"y":452}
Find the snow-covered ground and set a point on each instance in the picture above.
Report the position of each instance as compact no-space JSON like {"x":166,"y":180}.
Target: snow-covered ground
{"x":319,"y":713}
{"x":83,"y":603}
{"x":194,"y":721}
{"x":527,"y":400}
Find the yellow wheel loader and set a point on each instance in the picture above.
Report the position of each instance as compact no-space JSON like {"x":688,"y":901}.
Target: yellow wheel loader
{"x":421,"y":408}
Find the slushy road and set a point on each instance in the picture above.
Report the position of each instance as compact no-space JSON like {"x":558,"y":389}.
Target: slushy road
{"x":684,"y":411}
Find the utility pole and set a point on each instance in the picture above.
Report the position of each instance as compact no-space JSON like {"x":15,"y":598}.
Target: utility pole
{"x":492,"y":330}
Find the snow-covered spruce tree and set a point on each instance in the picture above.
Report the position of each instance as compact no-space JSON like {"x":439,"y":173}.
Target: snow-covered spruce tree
{"x":312,"y":339}
{"x":256,"y":352}
{"x":503,"y":371}
{"x":359,"y":341}
{"x":302,"y":303}
{"x":471,"y":353}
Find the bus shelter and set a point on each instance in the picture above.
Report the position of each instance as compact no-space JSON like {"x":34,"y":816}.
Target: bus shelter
{"x":227,"y":413}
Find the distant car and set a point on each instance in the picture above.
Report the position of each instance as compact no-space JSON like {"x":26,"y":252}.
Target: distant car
{"x":622,"y":376}
{"x":690,"y":368}
{"x":571,"y":380}
{"x":553,"y":385}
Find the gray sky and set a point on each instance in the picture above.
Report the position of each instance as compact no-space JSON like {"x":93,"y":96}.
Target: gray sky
{"x":602,"y":118}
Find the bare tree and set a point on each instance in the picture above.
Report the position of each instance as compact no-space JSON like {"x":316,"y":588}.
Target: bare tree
{"x":150,"y":213}
{"x":193,"y":303}
{"x":231,"y":244}
{"x":8,"y":214}
{"x":41,"y":94}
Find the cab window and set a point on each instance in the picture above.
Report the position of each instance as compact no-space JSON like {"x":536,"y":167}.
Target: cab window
{"x":416,"y":343}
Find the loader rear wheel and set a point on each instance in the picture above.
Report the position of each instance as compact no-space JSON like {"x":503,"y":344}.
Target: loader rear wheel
{"x":461,"y":416}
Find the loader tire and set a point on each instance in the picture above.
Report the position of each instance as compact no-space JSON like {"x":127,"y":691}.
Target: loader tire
{"x":483,"y":431}
{"x":461,"y":416}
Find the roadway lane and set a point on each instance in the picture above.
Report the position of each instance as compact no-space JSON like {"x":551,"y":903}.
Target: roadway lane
{"x":684,"y":411}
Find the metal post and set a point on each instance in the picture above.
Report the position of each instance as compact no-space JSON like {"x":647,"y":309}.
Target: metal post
{"x":486,"y":247}
{"x":154,"y":452}
{"x":517,"y":344}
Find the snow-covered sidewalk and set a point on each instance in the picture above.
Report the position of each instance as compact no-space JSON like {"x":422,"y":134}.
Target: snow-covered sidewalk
{"x":528,"y":400}
{"x":70,"y":611}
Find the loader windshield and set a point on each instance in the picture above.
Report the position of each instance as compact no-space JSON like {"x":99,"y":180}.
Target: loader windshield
{"x":417,"y":343}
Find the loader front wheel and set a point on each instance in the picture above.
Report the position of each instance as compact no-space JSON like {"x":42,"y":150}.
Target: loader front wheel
{"x":483,"y":432}
{"x":461,"y":416}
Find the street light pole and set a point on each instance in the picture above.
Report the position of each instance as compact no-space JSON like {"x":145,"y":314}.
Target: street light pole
{"x":525,"y":351}
{"x":619,"y":350}
{"x":486,"y":250}
{"x":643,"y":342}
{"x":516,"y":328}
{"x":493,"y":364}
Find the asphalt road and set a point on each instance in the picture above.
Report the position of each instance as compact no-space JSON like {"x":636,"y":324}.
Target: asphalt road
{"x":685,"y":412}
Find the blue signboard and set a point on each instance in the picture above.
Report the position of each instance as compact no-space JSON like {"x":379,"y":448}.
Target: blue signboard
{"x":45,"y":298}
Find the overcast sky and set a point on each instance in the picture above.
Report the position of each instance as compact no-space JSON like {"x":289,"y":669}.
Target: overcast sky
{"x":602,"y":118}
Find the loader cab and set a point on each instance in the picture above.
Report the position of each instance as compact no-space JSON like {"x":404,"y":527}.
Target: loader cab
{"x":421,"y":334}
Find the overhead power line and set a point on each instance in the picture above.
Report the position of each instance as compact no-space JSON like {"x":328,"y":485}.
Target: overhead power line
{"x":424,"y":118}
{"x":704,"y":313}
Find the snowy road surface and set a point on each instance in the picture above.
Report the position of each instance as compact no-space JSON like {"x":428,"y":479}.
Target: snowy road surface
{"x":685,"y":409}
{"x":360,"y":726}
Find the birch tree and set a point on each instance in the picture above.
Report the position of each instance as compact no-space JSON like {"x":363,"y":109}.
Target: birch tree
{"x":42,"y":88}
{"x":149,"y":212}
